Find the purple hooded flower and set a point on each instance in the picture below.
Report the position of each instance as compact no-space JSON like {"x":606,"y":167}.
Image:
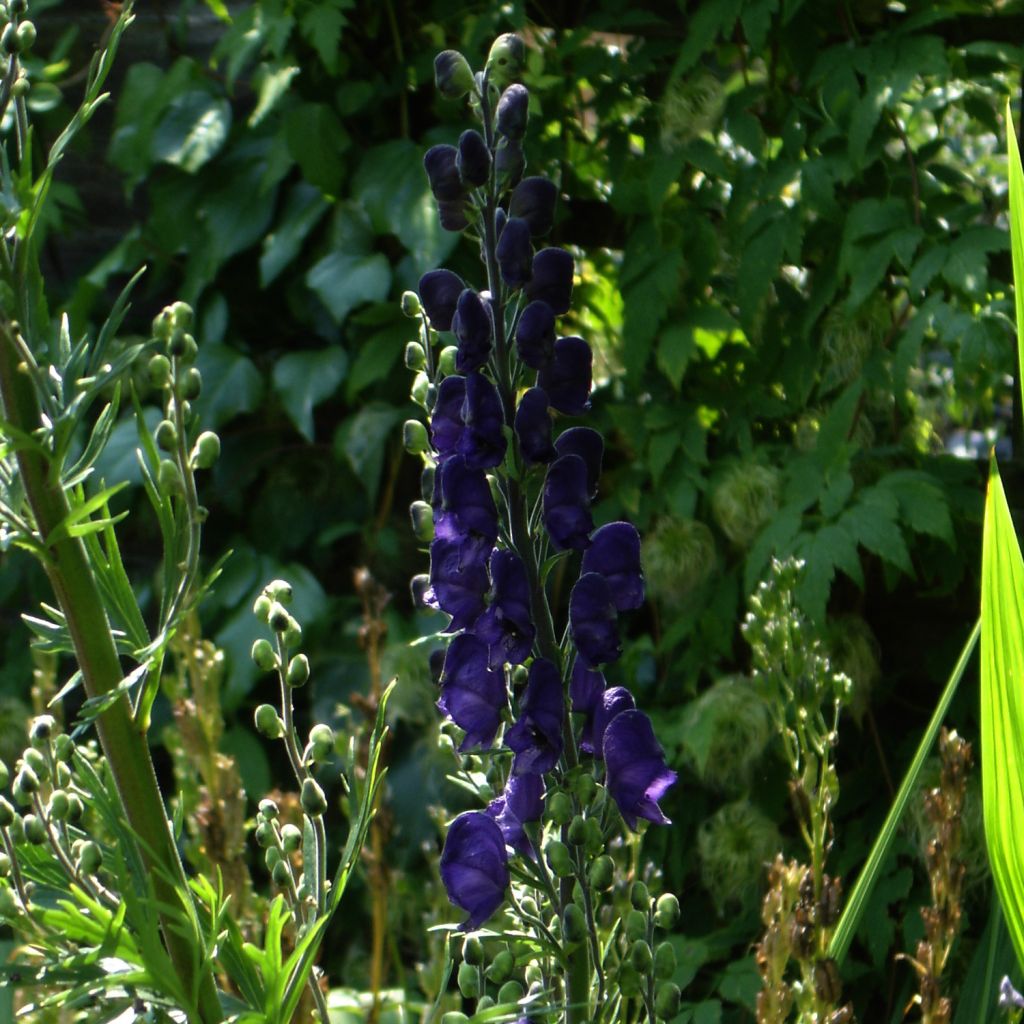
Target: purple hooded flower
{"x":446,"y":423}
{"x":522,"y":802}
{"x":567,"y":377}
{"x":593,"y":620}
{"x":588,"y":444}
{"x":452,"y":214}
{"x":472,"y":695}
{"x":515,"y":253}
{"x":533,"y":427}
{"x":509,"y":162}
{"x":536,"y":736}
{"x":566,"y":507}
{"x":458,"y":582}
{"x":613,"y":701}
{"x":474,"y":330}
{"x":473,"y":159}
{"x":551,"y":280}
{"x":533,"y":199}
{"x":614,"y":552}
{"x":474,"y":866}
{"x":586,"y":688}
{"x":483,"y":440}
{"x":466,"y":512}
{"x":439,"y":294}
{"x":512,"y":113}
{"x":637,"y":775}
{"x":506,"y":626}
{"x":439,"y":163}
{"x":535,"y":335}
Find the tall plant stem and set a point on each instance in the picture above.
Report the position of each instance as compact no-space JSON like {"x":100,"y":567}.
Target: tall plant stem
{"x":125,"y":747}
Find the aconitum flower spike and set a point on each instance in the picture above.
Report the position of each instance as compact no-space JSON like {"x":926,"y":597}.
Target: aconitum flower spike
{"x":614,"y":552}
{"x":452,"y":74}
{"x":446,"y":423}
{"x":586,"y":687}
{"x":566,"y":506}
{"x":472,"y":695}
{"x":514,"y":253}
{"x":458,"y":582}
{"x":533,"y":199}
{"x":474,"y":330}
{"x":513,"y":112}
{"x":483,"y":441}
{"x":535,"y":335}
{"x":467,"y":512}
{"x":473,"y":159}
{"x":522,"y":802}
{"x":588,"y":444}
{"x":506,"y":626}
{"x":567,"y":378}
{"x":593,"y":620}
{"x":474,"y":866}
{"x":613,"y":701}
{"x":637,"y":775}
{"x":533,"y":427}
{"x":552,"y":279}
{"x":536,"y":737}
{"x":439,"y":296}
{"x":439,"y":163}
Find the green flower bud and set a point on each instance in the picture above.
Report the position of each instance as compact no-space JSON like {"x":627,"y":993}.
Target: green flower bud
{"x":511,"y":992}
{"x":534,"y":975}
{"x":666,"y":1000}
{"x":666,"y":912}
{"x":36,"y":760}
{"x":21,"y":86}
{"x":5,"y":865}
{"x":191,"y":383}
{"x":268,"y":809}
{"x":321,"y":740}
{"x":501,"y":967}
{"x":9,"y":40}
{"x":411,"y":304}
{"x":76,"y":809}
{"x":453,"y":77}
{"x":5,"y":775}
{"x":414,"y":437}
{"x":473,"y":950}
{"x":41,"y":731}
{"x":629,"y":980}
{"x":427,"y":482}
{"x":595,"y":838}
{"x":64,"y":748}
{"x":640,"y":897}
{"x":263,"y":655}
{"x":446,"y":361}
{"x":268,"y":722}
{"x":264,"y":835}
{"x":206,"y":451}
{"x":640,"y":956}
{"x":6,"y":813}
{"x":577,"y":831}
{"x":422,"y":516}
{"x":182,"y":314}
{"x":281,"y":873}
{"x":665,"y":961}
{"x":298,"y":671}
{"x":560,"y":807}
{"x":574,"y":924}
{"x":559,"y":859}
{"x":585,"y":788}
{"x":26,"y":36}
{"x":280,"y":591}
{"x":59,"y":805}
{"x":159,"y":370}
{"x":272,"y":857}
{"x":291,"y":838}
{"x":415,"y":356}
{"x":505,"y":60}
{"x":454,"y":1017}
{"x":163,"y":325}
{"x":9,"y":908}
{"x":484,"y":1003}
{"x":313,"y":801}
{"x":279,"y":619}
{"x":35,"y":830}
{"x":26,"y":782}
{"x":420,"y":389}
{"x":529,"y":905}
{"x":63,"y":778}
{"x":469,"y":981}
{"x":166,"y":436}
{"x":636,"y":925}
{"x":261,"y":608}
{"x":168,"y":477}
{"x":292,"y":636}
{"x":602,"y":873}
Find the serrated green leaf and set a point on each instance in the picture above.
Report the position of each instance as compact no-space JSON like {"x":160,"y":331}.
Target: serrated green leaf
{"x":873,"y":522}
{"x":922,"y":501}
{"x":304,"y":379}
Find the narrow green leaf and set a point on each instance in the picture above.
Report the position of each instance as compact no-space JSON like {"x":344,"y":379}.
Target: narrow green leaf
{"x":1016,"y":233}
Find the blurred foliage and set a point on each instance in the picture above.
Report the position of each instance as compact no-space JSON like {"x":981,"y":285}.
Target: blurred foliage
{"x":789,"y":219}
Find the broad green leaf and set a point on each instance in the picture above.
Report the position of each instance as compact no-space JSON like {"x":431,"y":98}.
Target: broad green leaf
{"x":1016,"y":235}
{"x":231,"y":385}
{"x":362,"y":440}
{"x":272,"y":85}
{"x":316,"y":140}
{"x":303,"y":209}
{"x":304,"y":379}
{"x":344,"y":280}
{"x":1002,"y":706}
{"x":192,"y":131}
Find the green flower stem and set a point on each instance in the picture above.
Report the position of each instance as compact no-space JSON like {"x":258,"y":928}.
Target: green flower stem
{"x":126,"y":750}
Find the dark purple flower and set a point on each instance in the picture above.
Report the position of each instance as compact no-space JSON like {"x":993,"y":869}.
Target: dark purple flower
{"x":514,"y":253}
{"x":588,"y":444}
{"x":533,"y":427}
{"x":473,"y":159}
{"x":458,"y":580}
{"x":446,"y":423}
{"x":593,"y":620}
{"x":637,"y":775}
{"x":506,"y":626}
{"x":509,"y":162}
{"x":533,"y":199}
{"x":535,"y":335}
{"x":452,"y":214}
{"x":566,"y":505}
{"x":586,"y":688}
{"x":500,"y":220}
{"x":473,"y":328}
{"x":472,"y":695}
{"x":614,"y":552}
{"x":614,"y":701}
{"x":567,"y":377}
{"x":439,"y":294}
{"x":483,"y":441}
{"x":536,"y":736}
{"x":474,"y":866}
{"x":439,"y":163}
{"x":513,"y":112}
{"x":551,"y":280}
{"x":466,"y":512}
{"x":522,"y":802}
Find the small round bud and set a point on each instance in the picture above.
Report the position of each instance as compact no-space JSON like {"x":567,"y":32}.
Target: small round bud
{"x":501,"y":967}
{"x":446,"y":361}
{"x":292,"y":636}
{"x":505,"y":60}
{"x":163,"y":326}
{"x":473,"y":951}
{"x":411,"y":306}
{"x":422,"y":517}
{"x":298,"y":670}
{"x":321,"y":741}
{"x":427,"y":478}
{"x":414,"y":437}
{"x":279,"y":619}
{"x":17,"y":831}
{"x":261,"y":608}
{"x":313,"y":801}
{"x":191,"y":384}
{"x":41,"y":731}
{"x":636,"y":925}
{"x":534,"y":975}
{"x":559,"y":859}
{"x":577,"y":831}
{"x":263,"y":655}
{"x":36,"y":760}
{"x":59,"y":805}
{"x":511,"y":992}
{"x":640,"y":897}
{"x":529,"y":905}
{"x":452,"y":75}
{"x":159,"y":370}
{"x":6,"y":813}
{"x":280,"y":591}
{"x":5,"y":775}
{"x":206,"y":450}
{"x":291,"y":838}
{"x":664,"y":961}
{"x":268,"y":808}
{"x":585,"y":788}
{"x":64,"y":748}
{"x":35,"y":829}
{"x":168,"y":477}
{"x":469,"y":981}
{"x":26,"y":782}
{"x":415,"y":356}
{"x":76,"y":809}
{"x":9,"y":40}
{"x":420,"y":389}
{"x":272,"y":857}
{"x":21,"y":86}
{"x":666,"y":912}
{"x":63,"y":778}
{"x":666,"y":1000}
{"x":281,"y":873}
{"x":264,"y":835}
{"x":629,"y":980}
{"x":574,"y":924}
{"x":268,"y":722}
{"x":640,"y":956}
{"x":5,"y":865}
{"x":560,"y":807}
{"x":602,"y":873}
{"x":484,"y":1003}
{"x":9,"y":908}
{"x":26,"y":36}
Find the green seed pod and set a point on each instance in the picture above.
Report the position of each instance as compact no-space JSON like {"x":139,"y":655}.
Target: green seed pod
{"x":159,"y":370}
{"x":279,"y":619}
{"x":473,"y":950}
{"x":291,"y":838}
{"x":577,"y":831}
{"x":469,"y":981}
{"x":21,"y":86}
{"x":281,"y":873}
{"x":666,"y":912}
{"x":743,"y":499}
{"x":734,"y":845}
{"x":560,"y":807}
{"x":602,"y":873}
{"x":422,"y":516}
{"x":7,"y":814}
{"x":559,"y":859}
{"x":26,"y":36}
{"x":166,"y":436}
{"x":629,"y":980}
{"x":298,"y":671}
{"x":5,"y":775}
{"x":263,"y":655}
{"x":176,"y":344}
{"x":501,"y":967}
{"x":168,"y":478}
{"x":206,"y":450}
{"x":640,"y":956}
{"x":26,"y":782}
{"x":268,"y":722}
{"x":505,"y":60}
{"x":511,"y":992}
{"x":415,"y":356}
{"x":574,"y":924}
{"x":268,"y":809}
{"x":58,"y":806}
{"x":454,"y":78}
{"x":664,"y":961}
{"x":35,"y":830}
{"x":64,"y":748}
{"x":191,"y":384}
{"x":321,"y":741}
{"x":76,"y":809}
{"x":40,"y":731}
{"x":446,"y":361}
{"x":9,"y":40}
{"x":414,"y":437}
{"x":640,"y":897}
{"x":636,"y":925}
{"x":666,"y":1000}
{"x":313,"y":801}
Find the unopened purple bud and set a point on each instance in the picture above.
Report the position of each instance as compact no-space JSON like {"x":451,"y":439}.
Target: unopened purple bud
{"x":614,"y":552}
{"x":473,"y":328}
{"x":473,"y":159}
{"x":452,"y":74}
{"x":535,"y":335}
{"x":588,"y":444}
{"x":552,"y":279}
{"x":567,"y":378}
{"x":483,"y":441}
{"x":533,"y":427}
{"x":593,"y":620}
{"x":513,"y":112}
{"x":452,"y":214}
{"x":509,"y":162}
{"x":439,"y":163}
{"x":533,"y":199}
{"x":446,"y":423}
{"x":515,"y":255}
{"x":566,"y":504}
{"x":439,"y":295}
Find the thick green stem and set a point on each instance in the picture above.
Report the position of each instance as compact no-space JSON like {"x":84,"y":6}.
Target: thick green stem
{"x":126,"y":750}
